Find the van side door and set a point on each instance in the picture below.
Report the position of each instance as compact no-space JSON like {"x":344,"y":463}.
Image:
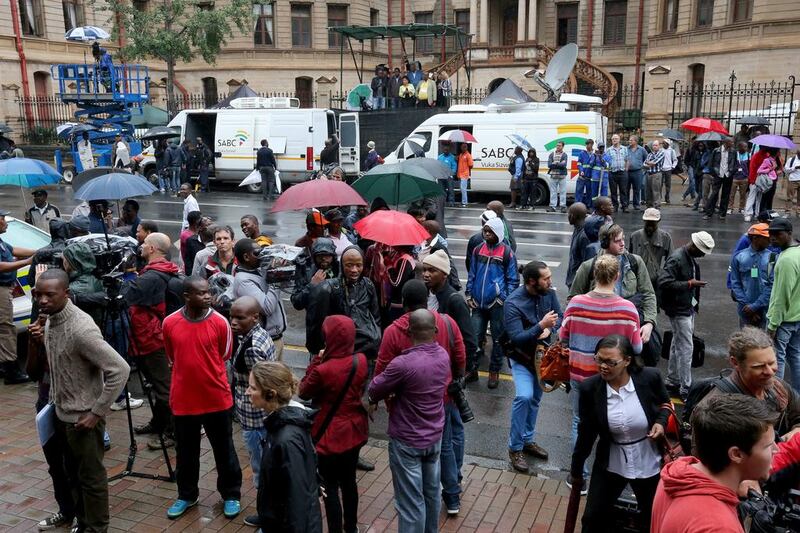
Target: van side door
{"x":349,"y":143}
{"x":235,"y":142}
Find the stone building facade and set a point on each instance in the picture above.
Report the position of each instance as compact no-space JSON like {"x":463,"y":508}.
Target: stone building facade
{"x":644,"y":45}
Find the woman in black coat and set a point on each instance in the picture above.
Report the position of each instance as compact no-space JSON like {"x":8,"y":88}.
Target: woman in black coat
{"x":288,"y":490}
{"x":622,"y":405}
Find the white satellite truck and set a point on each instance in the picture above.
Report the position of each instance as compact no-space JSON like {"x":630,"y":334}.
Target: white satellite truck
{"x":499,"y":128}
{"x":296,"y":136}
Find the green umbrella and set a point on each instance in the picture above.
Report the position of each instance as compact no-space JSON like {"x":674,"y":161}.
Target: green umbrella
{"x":358,"y":93}
{"x":398,"y":183}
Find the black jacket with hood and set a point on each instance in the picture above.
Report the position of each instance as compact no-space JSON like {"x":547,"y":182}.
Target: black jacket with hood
{"x":358,"y":301}
{"x":288,"y":494}
{"x":307,"y":268}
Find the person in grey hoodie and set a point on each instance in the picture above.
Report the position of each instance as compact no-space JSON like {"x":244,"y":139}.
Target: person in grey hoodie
{"x":87,"y":375}
{"x":248,"y":281}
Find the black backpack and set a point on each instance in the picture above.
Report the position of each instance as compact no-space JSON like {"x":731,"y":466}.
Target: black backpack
{"x":173,"y":296}
{"x":512,"y":164}
{"x":699,"y":390}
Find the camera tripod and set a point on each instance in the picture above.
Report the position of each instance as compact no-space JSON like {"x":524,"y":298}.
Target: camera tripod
{"x":116,"y":313}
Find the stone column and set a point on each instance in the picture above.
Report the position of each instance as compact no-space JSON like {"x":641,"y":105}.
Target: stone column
{"x":532,"y":22}
{"x":484,"y":35}
{"x":473,"y":19}
{"x":521,"y":21}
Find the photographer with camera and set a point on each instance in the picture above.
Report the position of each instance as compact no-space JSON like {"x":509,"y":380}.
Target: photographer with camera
{"x":396,"y":339}
{"x":151,"y":299}
{"x":248,"y":281}
{"x":532,"y":315}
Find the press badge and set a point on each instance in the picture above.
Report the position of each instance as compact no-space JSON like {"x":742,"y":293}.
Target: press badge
{"x":754,"y":272}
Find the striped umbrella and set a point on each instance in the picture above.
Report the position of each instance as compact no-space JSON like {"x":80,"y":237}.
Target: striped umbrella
{"x":87,"y":33}
{"x":411,"y":147}
{"x":458,"y":136}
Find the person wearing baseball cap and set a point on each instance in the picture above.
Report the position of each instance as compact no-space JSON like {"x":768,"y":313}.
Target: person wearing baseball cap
{"x":336,"y":232}
{"x":783,"y":315}
{"x":764,"y":217}
{"x":750,"y":275}
{"x":41,"y":213}
{"x":653,"y":245}
{"x":680,"y":284}
{"x":11,"y":259}
{"x":315,"y":228}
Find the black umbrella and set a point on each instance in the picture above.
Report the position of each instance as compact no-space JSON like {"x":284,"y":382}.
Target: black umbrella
{"x":669,"y":133}
{"x":712,"y":136}
{"x":4,"y":128}
{"x":160,"y":132}
{"x":752,"y":120}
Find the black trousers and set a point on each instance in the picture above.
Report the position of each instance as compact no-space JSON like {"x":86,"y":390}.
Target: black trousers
{"x":155,"y":368}
{"x":339,"y":473}
{"x":618,"y":185}
{"x":55,"y":453}
{"x":187,"y":445}
{"x":604,"y":489}
{"x":527,"y":193}
{"x":768,"y":197}
{"x":719,"y":197}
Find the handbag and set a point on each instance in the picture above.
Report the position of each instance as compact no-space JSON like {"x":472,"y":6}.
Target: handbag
{"x":671,"y":448}
{"x":698,"y":349}
{"x":338,"y":402}
{"x":553,"y":366}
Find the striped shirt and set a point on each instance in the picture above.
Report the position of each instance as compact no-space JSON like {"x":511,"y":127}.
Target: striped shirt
{"x":590,"y":317}
{"x":253,"y":347}
{"x":658,"y":159}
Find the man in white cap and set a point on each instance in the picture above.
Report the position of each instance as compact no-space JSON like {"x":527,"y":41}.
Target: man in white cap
{"x":680,"y":298}
{"x":492,"y":277}
{"x":653,"y":245}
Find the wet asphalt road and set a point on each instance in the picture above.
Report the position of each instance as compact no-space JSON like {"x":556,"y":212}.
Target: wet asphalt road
{"x":538,"y":234}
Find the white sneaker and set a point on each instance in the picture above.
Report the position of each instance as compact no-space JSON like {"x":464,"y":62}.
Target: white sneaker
{"x":121,"y":405}
{"x":747,"y":218}
{"x":730,"y":211}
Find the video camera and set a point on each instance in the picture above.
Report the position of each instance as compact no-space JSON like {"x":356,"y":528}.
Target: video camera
{"x":52,"y":257}
{"x":278,"y":262}
{"x":768,"y":514}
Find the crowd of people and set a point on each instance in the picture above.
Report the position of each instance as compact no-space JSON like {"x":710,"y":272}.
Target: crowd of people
{"x":411,"y":87}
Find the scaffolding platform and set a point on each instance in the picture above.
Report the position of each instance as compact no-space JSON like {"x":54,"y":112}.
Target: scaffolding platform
{"x":85,"y":83}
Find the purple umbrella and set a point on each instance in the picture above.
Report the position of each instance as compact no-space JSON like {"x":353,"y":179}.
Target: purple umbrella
{"x":774,"y":141}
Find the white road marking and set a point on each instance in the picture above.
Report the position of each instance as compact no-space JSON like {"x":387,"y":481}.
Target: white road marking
{"x":201,"y":203}
{"x":551,"y":264}
{"x":545,"y":245}
{"x":519,"y":230}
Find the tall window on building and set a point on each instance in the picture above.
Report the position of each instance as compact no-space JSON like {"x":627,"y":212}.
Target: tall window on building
{"x":30,"y":17}
{"x":374,"y":20}
{"x":424,"y":44}
{"x":705,"y":13}
{"x":210,"y":95}
{"x":337,"y":16}
{"x":73,"y":14}
{"x":615,"y":20}
{"x":301,"y":25}
{"x":742,"y":10}
{"x":264,"y":15}
{"x":140,"y":5}
{"x":669,"y":21}
{"x":567,"y":24}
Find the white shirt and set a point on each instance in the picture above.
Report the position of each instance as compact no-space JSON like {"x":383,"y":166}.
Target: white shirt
{"x":792,"y":168}
{"x":341,"y":242}
{"x":627,"y":422}
{"x":723,"y":162}
{"x":189,"y":205}
{"x":670,"y":160}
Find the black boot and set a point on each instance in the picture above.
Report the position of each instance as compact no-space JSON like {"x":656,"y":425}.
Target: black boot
{"x":14,"y":376}
{"x":365,"y":465}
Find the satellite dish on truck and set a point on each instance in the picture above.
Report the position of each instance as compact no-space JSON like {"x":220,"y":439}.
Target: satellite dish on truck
{"x":558,"y":70}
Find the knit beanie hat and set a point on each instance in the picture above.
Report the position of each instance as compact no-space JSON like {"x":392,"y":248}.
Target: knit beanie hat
{"x":438,"y":260}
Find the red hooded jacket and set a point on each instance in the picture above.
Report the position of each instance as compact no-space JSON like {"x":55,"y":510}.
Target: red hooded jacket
{"x":688,"y":501}
{"x":147,"y":298}
{"x":325,"y":377}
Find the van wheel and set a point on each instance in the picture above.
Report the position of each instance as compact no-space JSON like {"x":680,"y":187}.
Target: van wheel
{"x":541,"y":193}
{"x":254,"y":188}
{"x":151,"y":174}
{"x":68,"y":175}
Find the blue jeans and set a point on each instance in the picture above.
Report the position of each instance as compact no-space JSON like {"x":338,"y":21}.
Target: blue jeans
{"x":379,"y":102}
{"x":203,"y":177}
{"x":691,"y":190}
{"x":635,"y":183}
{"x":480,"y":319}
{"x":574,"y":399}
{"x":463,"y":185}
{"x":583,"y":191}
{"x":253,"y":442}
{"x":394,"y":102}
{"x":175,"y":178}
{"x":163,"y":179}
{"x":452,"y":456}
{"x":415,"y":479}
{"x":787,"y":347}
{"x":447,"y":185}
{"x":524,"y":408}
{"x":558,"y":192}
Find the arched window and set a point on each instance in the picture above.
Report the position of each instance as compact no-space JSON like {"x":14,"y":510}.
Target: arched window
{"x":495,"y":83}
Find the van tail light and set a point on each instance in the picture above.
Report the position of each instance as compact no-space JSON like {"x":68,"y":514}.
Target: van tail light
{"x":17,"y":291}
{"x":310,"y":158}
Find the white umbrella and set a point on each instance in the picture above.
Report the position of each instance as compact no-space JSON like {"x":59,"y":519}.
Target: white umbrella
{"x":86,"y":34}
{"x":64,"y":127}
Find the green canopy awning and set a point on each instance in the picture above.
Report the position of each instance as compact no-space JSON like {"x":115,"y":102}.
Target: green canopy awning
{"x":365,"y":33}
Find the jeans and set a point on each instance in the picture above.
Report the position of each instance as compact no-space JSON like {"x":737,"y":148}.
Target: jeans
{"x":494,"y":318}
{"x":338,"y":472}
{"x":719,"y":196}
{"x":452,"y":456}
{"x":787,"y":348}
{"x":653,"y":189}
{"x":463,"y":182}
{"x":574,"y":399}
{"x":187,"y":446}
{"x":267,"y":182}
{"x":618,"y":182}
{"x":174,"y":182}
{"x":203,"y":177}
{"x":524,"y":408}
{"x":583,"y":191}
{"x":604,"y":491}
{"x":635,"y":186}
{"x":698,"y":186}
{"x":666,"y":182}
{"x":691,"y":190}
{"x":83,"y":460}
{"x":558,"y":192}
{"x":163,"y":178}
{"x":447,"y":186}
{"x":253,"y":442}
{"x":378,"y":102}
{"x":679,"y":368}
{"x":394,"y":102}
{"x":527,"y":193}
{"x":415,"y":479}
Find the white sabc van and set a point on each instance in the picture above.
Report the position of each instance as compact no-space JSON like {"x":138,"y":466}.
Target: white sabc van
{"x":296,"y":136}
{"x":541,"y":124}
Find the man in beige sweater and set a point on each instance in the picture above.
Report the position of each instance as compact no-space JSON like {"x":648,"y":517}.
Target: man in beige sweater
{"x":86,"y":374}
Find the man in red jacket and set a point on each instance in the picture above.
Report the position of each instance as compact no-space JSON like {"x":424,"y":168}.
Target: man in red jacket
{"x":396,"y":339}
{"x":734,"y":441}
{"x":146,"y":296}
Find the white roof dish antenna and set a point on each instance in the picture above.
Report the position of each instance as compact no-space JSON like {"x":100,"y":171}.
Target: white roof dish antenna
{"x":558,"y":71}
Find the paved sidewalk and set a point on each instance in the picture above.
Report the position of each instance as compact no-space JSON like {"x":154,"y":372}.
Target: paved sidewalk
{"x":493,"y":499}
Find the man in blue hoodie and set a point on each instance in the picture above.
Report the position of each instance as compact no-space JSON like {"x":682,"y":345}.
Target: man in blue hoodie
{"x":492,"y":277}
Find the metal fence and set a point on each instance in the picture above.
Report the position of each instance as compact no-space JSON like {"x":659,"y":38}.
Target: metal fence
{"x":47,"y":112}
{"x":626,"y":116}
{"x":773,"y":100}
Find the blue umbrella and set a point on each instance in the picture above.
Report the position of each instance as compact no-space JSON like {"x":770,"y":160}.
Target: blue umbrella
{"x":115,"y":186}
{"x":87,"y":33}
{"x":25,"y":172}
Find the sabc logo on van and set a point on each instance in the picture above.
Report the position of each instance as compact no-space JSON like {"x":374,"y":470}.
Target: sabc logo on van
{"x":239,"y":139}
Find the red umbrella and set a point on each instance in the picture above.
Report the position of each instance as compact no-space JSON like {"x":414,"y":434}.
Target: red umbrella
{"x":703,"y":125}
{"x":317,"y":193}
{"x":392,"y":228}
